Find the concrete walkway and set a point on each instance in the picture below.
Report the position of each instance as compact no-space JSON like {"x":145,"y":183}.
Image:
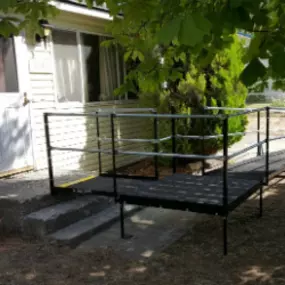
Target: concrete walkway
{"x":277,"y":128}
{"x":152,"y":230}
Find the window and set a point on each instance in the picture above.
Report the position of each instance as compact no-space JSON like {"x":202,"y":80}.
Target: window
{"x":67,"y":67}
{"x":91,"y":58}
{"x":8,"y":70}
{"x":85,"y":70}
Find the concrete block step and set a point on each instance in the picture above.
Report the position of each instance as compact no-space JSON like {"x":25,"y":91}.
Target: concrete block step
{"x":83,"y":230}
{"x":53,"y":218}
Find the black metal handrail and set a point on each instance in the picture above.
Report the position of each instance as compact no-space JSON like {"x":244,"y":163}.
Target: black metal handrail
{"x":226,"y":206}
{"x":156,"y":141}
{"x":239,"y":152}
{"x":246,"y":112}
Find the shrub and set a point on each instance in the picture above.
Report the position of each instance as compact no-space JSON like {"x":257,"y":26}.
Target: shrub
{"x":216,"y":84}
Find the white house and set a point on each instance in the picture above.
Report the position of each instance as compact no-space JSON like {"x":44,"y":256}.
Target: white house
{"x":68,"y":72}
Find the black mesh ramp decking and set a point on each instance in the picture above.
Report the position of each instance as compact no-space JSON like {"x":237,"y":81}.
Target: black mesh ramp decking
{"x":184,"y":191}
{"x":254,"y":168}
{"x":178,"y":191}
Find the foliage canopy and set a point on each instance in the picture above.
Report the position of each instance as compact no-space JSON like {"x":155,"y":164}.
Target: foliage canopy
{"x":203,"y":26}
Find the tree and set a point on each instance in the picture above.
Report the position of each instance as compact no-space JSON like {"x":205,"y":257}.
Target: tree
{"x":216,"y":84}
{"x":205,"y":27}
{"x":24,"y":15}
{"x":180,"y":42}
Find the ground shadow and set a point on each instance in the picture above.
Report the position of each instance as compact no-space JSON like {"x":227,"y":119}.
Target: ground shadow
{"x":256,"y":254}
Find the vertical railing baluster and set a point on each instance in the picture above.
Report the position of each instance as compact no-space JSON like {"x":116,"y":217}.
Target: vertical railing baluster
{"x":203,"y":144}
{"x":49,"y":156}
{"x":173,"y":131}
{"x":156,"y":145}
{"x":258,"y":134}
{"x":225,"y":183}
{"x":98,"y":143}
{"x":112,"y":117}
{"x":267,"y":144}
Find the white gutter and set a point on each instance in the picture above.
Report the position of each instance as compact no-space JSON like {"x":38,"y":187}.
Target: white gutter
{"x":81,"y":10}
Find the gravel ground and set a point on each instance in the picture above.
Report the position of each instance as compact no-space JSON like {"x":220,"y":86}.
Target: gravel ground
{"x":256,"y":255}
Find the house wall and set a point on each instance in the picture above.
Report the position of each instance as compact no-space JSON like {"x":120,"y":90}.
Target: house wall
{"x":79,"y":132}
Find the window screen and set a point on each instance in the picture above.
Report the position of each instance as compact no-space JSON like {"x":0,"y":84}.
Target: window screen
{"x":8,"y":70}
{"x":67,"y":64}
{"x":102,"y":67}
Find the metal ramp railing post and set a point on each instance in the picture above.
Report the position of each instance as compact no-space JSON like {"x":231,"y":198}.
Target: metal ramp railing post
{"x":98,"y":143}
{"x":203,"y":144}
{"x":259,"y":147}
{"x":156,"y":146}
{"x":267,"y":144}
{"x":49,"y":156}
{"x":225,"y":183}
{"x":114,"y":174}
{"x":173,"y":134}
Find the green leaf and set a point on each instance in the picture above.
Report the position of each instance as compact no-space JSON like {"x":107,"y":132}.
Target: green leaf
{"x":137,"y":54}
{"x":89,"y":3}
{"x":279,"y":84}
{"x":206,"y":57}
{"x":113,"y":7}
{"x":254,"y":70}
{"x":190,"y":34}
{"x":241,"y":18}
{"x":8,"y":28}
{"x":277,"y":62}
{"x":127,"y":55}
{"x":169,"y":31}
{"x":140,"y":56}
{"x":107,"y":43}
{"x":239,"y":3}
{"x":282,"y":21}
{"x":202,"y":23}
{"x":175,"y":75}
{"x":254,"y":47}
{"x":261,"y":17}
{"x":6,"y":4}
{"x":235,"y":3}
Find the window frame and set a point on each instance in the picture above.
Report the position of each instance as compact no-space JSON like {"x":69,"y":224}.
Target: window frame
{"x":83,"y":74}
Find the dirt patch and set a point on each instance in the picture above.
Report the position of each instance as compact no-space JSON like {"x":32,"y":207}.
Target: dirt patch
{"x":256,"y":255}
{"x":146,"y":168}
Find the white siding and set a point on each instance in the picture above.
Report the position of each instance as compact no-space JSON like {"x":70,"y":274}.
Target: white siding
{"x":77,"y":132}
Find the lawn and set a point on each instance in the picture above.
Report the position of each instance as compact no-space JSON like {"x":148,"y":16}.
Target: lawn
{"x":256,"y":255}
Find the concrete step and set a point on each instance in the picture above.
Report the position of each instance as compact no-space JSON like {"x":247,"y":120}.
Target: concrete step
{"x":83,"y":230}
{"x":53,"y":218}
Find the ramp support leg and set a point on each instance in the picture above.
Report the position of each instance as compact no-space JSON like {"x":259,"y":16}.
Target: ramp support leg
{"x":225,"y":234}
{"x":122,"y":222}
{"x":260,"y":201}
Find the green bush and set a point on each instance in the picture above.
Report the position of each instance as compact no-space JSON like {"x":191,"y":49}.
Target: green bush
{"x":256,"y":98}
{"x":216,"y":84}
{"x":278,"y":103}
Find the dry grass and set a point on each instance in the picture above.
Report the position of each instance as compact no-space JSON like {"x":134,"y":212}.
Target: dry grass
{"x":256,"y":255}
